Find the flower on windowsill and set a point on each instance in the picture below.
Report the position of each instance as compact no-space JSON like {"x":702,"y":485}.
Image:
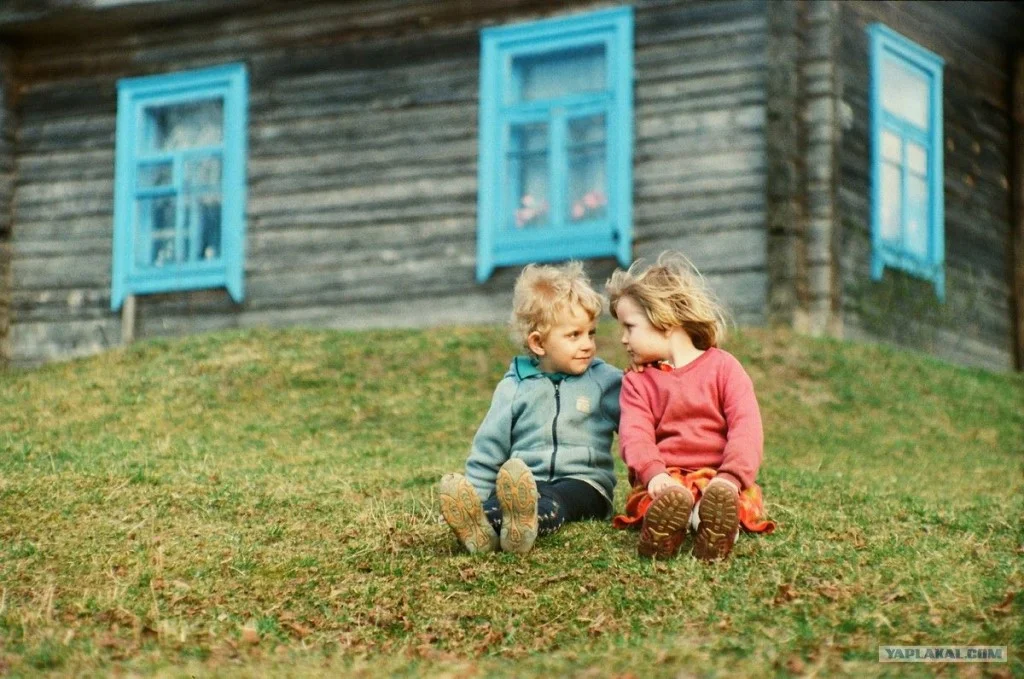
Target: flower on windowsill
{"x":531,"y":211}
{"x":164,"y":255}
{"x":589,"y":205}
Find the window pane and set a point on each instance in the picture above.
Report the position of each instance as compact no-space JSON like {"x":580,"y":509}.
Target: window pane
{"x":892,"y":147}
{"x":905,"y":93}
{"x":527,"y":165}
{"x":587,"y":153}
{"x":203,"y":173}
{"x":202,"y":220}
{"x":891,"y":203}
{"x":182,"y":126}
{"x":917,"y":159}
{"x":556,"y":74}
{"x":917,"y":217}
{"x":150,"y":176}
{"x":154,"y":232}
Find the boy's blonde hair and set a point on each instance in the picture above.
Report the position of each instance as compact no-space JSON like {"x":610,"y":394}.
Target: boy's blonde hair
{"x":542,"y":293}
{"x":673,"y":294}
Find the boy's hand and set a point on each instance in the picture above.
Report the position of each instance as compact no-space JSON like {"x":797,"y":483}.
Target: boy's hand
{"x":635,"y":368}
{"x":660,"y":483}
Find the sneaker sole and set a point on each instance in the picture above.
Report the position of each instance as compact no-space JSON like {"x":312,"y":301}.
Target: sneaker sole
{"x":664,"y":525}
{"x":517,"y":495}
{"x":464,"y":514}
{"x":719,"y":520}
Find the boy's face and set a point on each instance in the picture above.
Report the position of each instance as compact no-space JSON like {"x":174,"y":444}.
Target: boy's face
{"x":569,"y":346}
{"x":644,"y":343}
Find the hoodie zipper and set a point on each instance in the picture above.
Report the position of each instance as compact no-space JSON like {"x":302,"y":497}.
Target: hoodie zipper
{"x":554,"y":430}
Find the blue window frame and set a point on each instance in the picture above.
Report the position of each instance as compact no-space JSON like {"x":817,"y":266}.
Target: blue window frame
{"x":906,"y":158}
{"x":556,"y":140}
{"x":179,"y":191}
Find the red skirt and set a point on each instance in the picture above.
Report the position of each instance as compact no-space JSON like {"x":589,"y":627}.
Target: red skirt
{"x":751,"y":501}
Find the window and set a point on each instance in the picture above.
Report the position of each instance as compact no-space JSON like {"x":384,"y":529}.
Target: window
{"x":179,"y":193}
{"x":906,"y":158}
{"x":556,"y":116}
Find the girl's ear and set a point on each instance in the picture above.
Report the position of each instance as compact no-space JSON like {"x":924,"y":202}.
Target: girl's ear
{"x":677,"y":330}
{"x":535,"y":343}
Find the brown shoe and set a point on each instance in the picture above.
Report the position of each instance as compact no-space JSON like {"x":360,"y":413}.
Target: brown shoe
{"x":719,"y":515}
{"x":665,"y":524}
{"x":464,"y":514}
{"x":517,"y":495}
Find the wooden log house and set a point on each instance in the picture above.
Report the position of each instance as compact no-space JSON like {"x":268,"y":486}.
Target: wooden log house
{"x":845,"y":168}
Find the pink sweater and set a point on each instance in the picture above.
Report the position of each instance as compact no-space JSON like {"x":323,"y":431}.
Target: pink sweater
{"x":704,"y":414}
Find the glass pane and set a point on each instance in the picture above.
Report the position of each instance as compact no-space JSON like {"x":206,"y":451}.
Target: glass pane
{"x":202,"y":219}
{"x":203,"y":173}
{"x":527,"y":165}
{"x":917,"y":159}
{"x":892,"y":147}
{"x":150,"y":176}
{"x":154,"y":231}
{"x":556,"y":74}
{"x":182,"y":126}
{"x":905,"y":93}
{"x":587,"y":152}
{"x":917,"y":217}
{"x":891,"y":203}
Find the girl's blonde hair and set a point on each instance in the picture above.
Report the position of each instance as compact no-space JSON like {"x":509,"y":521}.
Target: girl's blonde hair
{"x":543,"y":293}
{"x":673,"y":294}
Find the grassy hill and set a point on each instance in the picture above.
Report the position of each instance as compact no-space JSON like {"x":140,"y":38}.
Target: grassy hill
{"x":265,"y":502}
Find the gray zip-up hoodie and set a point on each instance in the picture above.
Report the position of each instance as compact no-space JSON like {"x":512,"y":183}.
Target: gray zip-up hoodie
{"x":560,"y":427}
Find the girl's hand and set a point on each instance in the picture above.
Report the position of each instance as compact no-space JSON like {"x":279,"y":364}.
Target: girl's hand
{"x":660,"y":483}
{"x":719,"y":480}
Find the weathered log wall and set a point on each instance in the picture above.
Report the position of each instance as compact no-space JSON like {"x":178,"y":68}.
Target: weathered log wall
{"x":362,"y":164}
{"x":7,"y":124}
{"x":822,"y":114}
{"x":1017,"y":190}
{"x":699,"y":158}
{"x":973,"y":325}
{"x":803,"y":136}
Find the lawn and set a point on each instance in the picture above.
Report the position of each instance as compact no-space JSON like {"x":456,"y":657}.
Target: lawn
{"x":243,"y":504}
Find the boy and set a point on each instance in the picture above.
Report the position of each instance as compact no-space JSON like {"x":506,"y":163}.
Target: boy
{"x":542,"y":456}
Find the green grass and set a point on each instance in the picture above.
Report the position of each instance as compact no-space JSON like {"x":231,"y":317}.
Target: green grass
{"x":264,"y":502}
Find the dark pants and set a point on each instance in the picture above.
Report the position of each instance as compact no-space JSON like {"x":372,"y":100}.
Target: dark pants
{"x":560,"y":501}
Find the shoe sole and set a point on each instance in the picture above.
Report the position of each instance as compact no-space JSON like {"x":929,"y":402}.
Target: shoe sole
{"x":664,"y":525}
{"x":464,"y":514}
{"x":719,"y":521}
{"x":517,"y":496}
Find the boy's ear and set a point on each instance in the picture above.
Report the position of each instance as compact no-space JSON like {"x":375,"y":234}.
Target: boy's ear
{"x":535,"y":342}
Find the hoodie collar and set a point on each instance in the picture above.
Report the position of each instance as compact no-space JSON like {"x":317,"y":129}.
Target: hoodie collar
{"x":527,"y":366}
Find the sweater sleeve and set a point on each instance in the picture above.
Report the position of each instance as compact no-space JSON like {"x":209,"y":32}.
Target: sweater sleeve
{"x":744,"y":446}
{"x":492,"y":444}
{"x":636,"y":432}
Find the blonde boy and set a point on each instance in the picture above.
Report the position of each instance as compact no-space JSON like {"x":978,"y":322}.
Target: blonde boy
{"x":542,"y":455}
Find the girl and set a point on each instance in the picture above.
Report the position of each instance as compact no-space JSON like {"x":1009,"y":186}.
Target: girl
{"x":690,"y":429}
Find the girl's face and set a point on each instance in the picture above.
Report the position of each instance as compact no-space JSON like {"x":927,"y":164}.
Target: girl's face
{"x":644,"y":343}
